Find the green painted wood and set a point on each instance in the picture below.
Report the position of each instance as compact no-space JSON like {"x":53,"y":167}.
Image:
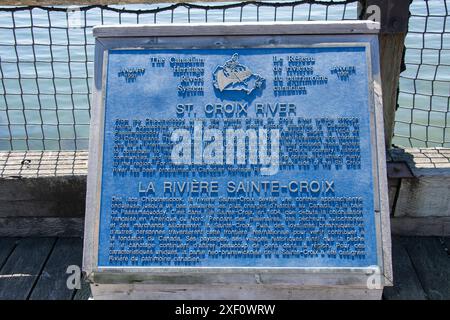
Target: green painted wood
{"x":52,"y":283}
{"x":406,"y":283}
{"x":20,"y":272}
{"x":432,"y":265}
{"x":6,"y":247}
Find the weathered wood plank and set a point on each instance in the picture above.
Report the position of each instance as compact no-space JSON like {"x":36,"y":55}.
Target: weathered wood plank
{"x":397,"y":170}
{"x":427,"y":162}
{"x":64,"y":189}
{"x":140,"y":291}
{"x":65,"y":196}
{"x":391,"y":51}
{"x":85,"y":292}
{"x":238,"y":29}
{"x":432,"y":265}
{"x":447,"y":244}
{"x":52,"y":283}
{"x":406,"y":283}
{"x":19,"y":274}
{"x":422,"y":226}
{"x":62,"y":196}
{"x":393,"y":185}
{"x":424,"y":196}
{"x":393,"y":14}
{"x":41,"y":208}
{"x":6,"y":247}
{"x":41,"y":227}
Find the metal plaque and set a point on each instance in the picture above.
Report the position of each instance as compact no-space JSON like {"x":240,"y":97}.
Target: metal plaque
{"x":247,"y":152}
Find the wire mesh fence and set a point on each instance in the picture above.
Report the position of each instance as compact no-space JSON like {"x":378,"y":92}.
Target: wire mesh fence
{"x":46,"y":64}
{"x":47,"y":60}
{"x":423,"y":117}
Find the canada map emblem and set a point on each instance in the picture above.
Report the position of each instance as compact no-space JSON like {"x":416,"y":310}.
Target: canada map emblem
{"x":233,"y":76}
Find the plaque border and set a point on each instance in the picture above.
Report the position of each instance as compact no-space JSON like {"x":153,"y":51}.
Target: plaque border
{"x":218,"y":36}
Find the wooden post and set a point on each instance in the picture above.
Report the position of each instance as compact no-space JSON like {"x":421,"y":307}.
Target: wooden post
{"x":393,"y":16}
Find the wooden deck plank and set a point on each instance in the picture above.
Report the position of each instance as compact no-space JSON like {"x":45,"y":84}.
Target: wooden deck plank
{"x":21,"y":270}
{"x":406,"y":283}
{"x":84,"y":293}
{"x":6,"y":247}
{"x":432,"y":264}
{"x":446,"y":244}
{"x":421,"y":268}
{"x":51,"y":284}
{"x":41,"y":227}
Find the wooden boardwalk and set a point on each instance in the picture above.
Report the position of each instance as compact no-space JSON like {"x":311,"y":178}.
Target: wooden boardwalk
{"x":421,"y":268}
{"x":35,"y":268}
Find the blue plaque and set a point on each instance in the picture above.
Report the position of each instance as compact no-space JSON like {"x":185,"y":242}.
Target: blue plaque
{"x":251,"y":157}
{"x":254,"y":153}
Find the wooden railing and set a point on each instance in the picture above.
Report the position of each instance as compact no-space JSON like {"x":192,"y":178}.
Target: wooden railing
{"x":42,"y":193}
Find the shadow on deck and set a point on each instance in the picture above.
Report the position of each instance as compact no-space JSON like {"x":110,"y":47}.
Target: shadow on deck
{"x":35,"y":268}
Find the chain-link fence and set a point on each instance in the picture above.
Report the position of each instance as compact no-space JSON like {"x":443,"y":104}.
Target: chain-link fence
{"x":46,"y":64}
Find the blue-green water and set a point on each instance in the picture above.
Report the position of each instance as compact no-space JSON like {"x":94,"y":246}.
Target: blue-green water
{"x":46,"y":70}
